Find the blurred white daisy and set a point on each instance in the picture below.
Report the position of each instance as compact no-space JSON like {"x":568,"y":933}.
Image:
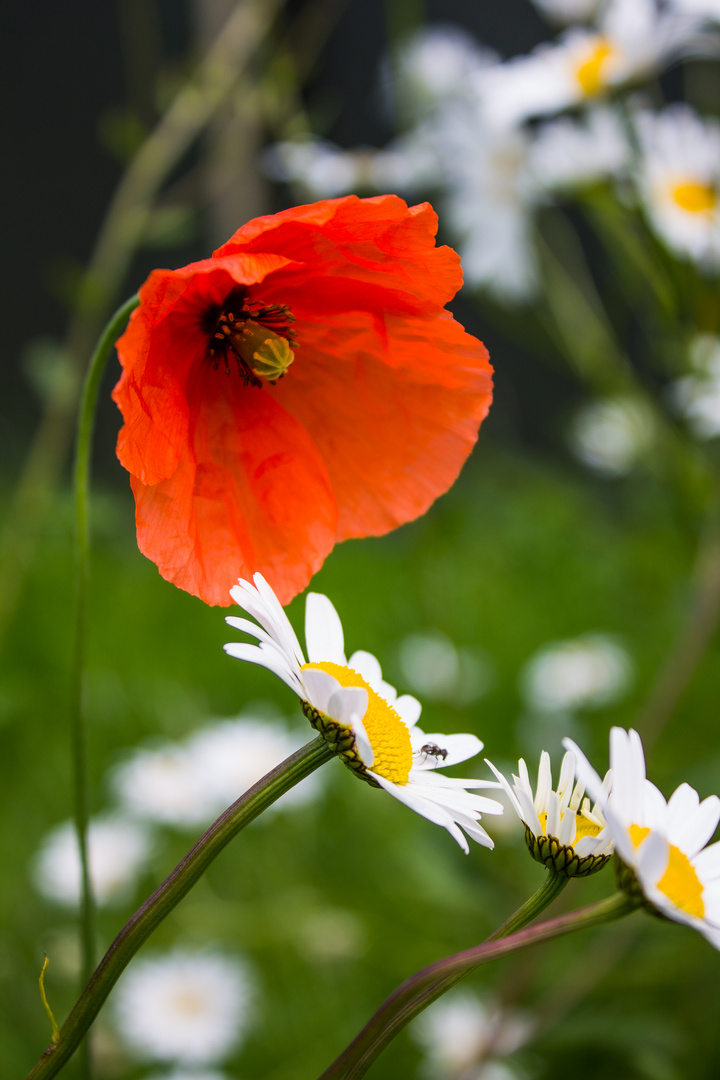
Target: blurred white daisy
{"x":633,"y":40}
{"x":433,"y":67}
{"x":164,"y":785}
{"x":562,"y":829}
{"x":697,"y":396}
{"x":588,"y":671}
{"x":318,"y":167}
{"x":679,"y":180}
{"x":188,"y":784}
{"x":661,"y":844}
{"x":192,"y":1008}
{"x":568,"y":11}
{"x":569,"y":153}
{"x":118,"y":852}
{"x":612,"y":435}
{"x":232,"y":755}
{"x":708,"y":8}
{"x":372,"y":729}
{"x":436,"y":668}
{"x":463,"y":1036}
{"x":490,"y":194}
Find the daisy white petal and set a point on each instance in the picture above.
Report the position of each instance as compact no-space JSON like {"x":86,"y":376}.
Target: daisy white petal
{"x":408,"y":709}
{"x":691,"y":822}
{"x":708,"y":862}
{"x":323,"y":630}
{"x":364,"y":745}
{"x":368,"y":666}
{"x":268,"y":658}
{"x":346,"y":703}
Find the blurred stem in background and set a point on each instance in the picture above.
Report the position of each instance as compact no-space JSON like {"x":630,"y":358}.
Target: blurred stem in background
{"x":122,"y":232}
{"x":83,"y":458}
{"x":166,"y":897}
{"x":417,"y":992}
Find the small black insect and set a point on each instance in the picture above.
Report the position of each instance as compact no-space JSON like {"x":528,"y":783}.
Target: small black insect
{"x":431,"y":750}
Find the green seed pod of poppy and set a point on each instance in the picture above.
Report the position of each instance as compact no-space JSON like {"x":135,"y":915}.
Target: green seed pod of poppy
{"x":267,"y":354}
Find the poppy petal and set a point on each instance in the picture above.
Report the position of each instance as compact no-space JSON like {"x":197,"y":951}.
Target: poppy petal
{"x":394,"y":414}
{"x":250,"y":493}
{"x":376,"y":254}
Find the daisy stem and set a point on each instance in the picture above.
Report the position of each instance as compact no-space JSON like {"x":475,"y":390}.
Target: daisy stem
{"x":158,"y":906}
{"x":417,"y":992}
{"x":81,"y":484}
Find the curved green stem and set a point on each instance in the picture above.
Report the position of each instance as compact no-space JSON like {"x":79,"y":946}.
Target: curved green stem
{"x":412,"y":996}
{"x":81,"y":481}
{"x":551,"y":887}
{"x":170,"y":893}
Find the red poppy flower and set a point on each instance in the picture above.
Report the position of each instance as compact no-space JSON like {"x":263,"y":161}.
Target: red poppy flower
{"x":302,"y":386}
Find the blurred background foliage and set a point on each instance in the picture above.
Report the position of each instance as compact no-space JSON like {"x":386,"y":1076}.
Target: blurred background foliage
{"x":334,"y":902}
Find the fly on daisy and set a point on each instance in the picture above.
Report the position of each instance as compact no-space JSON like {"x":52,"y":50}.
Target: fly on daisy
{"x":372,"y":729}
{"x":663,"y":859}
{"x":562,"y":830}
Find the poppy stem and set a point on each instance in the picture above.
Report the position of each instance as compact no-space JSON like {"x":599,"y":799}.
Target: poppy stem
{"x":178,"y":883}
{"x":81,"y":485}
{"x":421,"y":989}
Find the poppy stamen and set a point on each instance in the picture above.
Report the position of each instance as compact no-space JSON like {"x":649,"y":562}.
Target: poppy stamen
{"x":260,"y":337}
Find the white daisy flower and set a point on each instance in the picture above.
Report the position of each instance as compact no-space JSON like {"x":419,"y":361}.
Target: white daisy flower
{"x":188,"y":784}
{"x":320,"y":168}
{"x":461,"y":1034}
{"x":433,"y":67}
{"x":232,"y":755}
{"x":697,"y":396}
{"x":490,"y":196}
{"x":569,"y":153}
{"x":612,"y":435}
{"x":373,"y":730}
{"x":633,"y":40}
{"x":661,"y":844}
{"x":562,"y":829}
{"x":162,"y":784}
{"x":434,"y":667}
{"x":679,"y":181}
{"x":184,"y":1007}
{"x":118,"y":851}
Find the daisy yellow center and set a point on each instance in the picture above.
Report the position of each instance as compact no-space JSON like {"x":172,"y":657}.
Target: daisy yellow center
{"x":590,"y":73}
{"x":388,"y":735}
{"x":695,"y":198}
{"x":680,"y":882}
{"x":583,"y":826}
